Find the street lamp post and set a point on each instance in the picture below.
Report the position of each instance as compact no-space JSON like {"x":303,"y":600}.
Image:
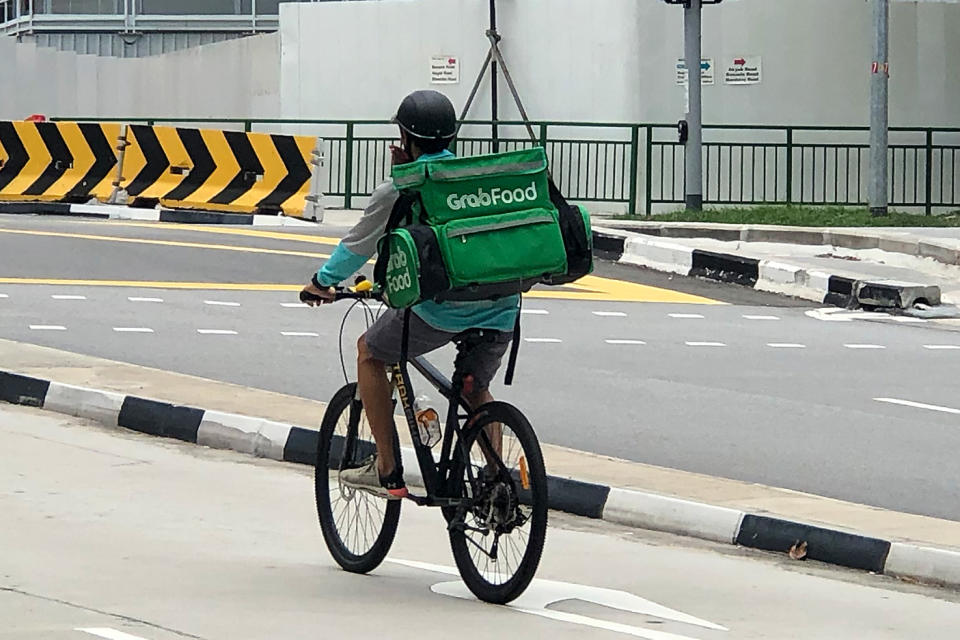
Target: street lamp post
{"x":692,"y":127}
{"x":879,"y":108}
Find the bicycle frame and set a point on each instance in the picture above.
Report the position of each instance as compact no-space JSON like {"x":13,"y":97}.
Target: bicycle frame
{"x":434,"y":472}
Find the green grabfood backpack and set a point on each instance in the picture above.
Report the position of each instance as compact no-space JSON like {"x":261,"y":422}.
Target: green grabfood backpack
{"x":480,"y":228}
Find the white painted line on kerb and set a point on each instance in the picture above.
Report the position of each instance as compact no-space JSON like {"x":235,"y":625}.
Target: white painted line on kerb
{"x":217,"y":332}
{"x":535,"y":312}
{"x":133,"y":330}
{"x":705,"y":344}
{"x":109,"y":634}
{"x":610,"y":314}
{"x":301,"y":334}
{"x":786,"y":345}
{"x":67,"y":297}
{"x":47,"y":327}
{"x":864,"y":346}
{"x":750,"y":317}
{"x":219,"y":303}
{"x":135,"y":299}
{"x":686,"y":316}
{"x":919,"y":405}
{"x":542,"y":340}
{"x":625,"y":342}
{"x":942,"y":347}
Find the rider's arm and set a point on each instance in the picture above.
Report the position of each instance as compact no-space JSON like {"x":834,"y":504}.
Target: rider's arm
{"x":360,"y":243}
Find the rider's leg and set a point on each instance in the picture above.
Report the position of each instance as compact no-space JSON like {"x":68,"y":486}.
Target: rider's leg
{"x":375,"y":393}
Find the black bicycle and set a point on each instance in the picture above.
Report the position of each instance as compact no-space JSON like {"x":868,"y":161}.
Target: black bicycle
{"x":489,"y":481}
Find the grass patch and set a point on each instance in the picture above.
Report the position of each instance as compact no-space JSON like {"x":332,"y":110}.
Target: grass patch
{"x":806,"y":217}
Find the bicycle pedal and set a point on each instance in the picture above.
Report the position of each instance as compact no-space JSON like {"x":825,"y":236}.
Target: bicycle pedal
{"x":419,"y":500}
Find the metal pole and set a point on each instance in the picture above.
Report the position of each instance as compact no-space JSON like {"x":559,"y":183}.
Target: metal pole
{"x":692,"y":14}
{"x":494,"y":94}
{"x":879,"y":105}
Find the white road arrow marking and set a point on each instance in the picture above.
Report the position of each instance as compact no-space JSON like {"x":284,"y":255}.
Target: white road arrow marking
{"x":543,"y":593}
{"x":919,"y":405}
{"x":109,"y":634}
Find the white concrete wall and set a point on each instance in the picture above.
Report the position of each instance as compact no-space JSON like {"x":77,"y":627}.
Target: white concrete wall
{"x":613,"y":60}
{"x":237,"y":78}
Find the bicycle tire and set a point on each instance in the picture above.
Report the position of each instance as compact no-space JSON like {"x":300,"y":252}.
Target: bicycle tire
{"x":362,"y":559}
{"x":535,"y":497}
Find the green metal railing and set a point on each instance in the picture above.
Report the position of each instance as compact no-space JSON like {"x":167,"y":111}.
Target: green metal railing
{"x":642,"y":165}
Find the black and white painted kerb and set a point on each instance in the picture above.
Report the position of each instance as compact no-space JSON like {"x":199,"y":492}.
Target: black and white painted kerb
{"x":120,"y":212}
{"x":291,"y":443}
{"x":765,"y":275}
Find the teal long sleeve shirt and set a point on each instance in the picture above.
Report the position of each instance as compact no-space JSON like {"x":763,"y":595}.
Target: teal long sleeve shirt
{"x":360,"y":244}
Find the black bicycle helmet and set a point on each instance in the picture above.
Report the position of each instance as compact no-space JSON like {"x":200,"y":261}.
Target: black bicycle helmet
{"x":428,"y":115}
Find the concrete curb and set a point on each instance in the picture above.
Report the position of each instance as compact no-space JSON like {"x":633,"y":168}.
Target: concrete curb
{"x":765,"y":275}
{"x":291,"y":443}
{"x":121,"y":212}
{"x":847,"y":238}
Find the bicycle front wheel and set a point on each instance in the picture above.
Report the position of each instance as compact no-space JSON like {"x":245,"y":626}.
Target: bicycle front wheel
{"x":357,"y":526}
{"x":498,"y":539}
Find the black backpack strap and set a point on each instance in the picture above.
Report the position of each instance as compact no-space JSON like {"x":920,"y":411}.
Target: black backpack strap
{"x":405,"y":340}
{"x":514,"y":346}
{"x":402,"y":208}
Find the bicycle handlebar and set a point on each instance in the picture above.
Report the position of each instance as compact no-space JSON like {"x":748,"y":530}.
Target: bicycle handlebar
{"x":343,"y":294}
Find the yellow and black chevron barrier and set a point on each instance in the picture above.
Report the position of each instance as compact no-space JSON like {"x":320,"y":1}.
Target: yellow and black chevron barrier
{"x":216,"y":170}
{"x":57,"y":161}
{"x":205,"y":169}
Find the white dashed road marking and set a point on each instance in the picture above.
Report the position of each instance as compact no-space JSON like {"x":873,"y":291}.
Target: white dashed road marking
{"x":919,"y":405}
{"x":686,"y":316}
{"x":132,"y":330}
{"x":610,"y":314}
{"x":705,"y":344}
{"x":300,"y":334}
{"x":751,"y":317}
{"x":864,"y":346}
{"x":47,"y":327}
{"x":942,"y":347}
{"x":625,"y":342}
{"x":217,"y":332}
{"x":535,"y":312}
{"x":786,"y":345}
{"x":109,"y":634}
{"x":542,"y":340}
{"x":294,"y":305}
{"x":66,"y":297}
{"x":219,"y":303}
{"x":136,"y":299}
{"x":3,"y":295}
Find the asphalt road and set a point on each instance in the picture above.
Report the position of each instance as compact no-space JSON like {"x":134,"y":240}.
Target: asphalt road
{"x":755,"y":389}
{"x":166,"y":541}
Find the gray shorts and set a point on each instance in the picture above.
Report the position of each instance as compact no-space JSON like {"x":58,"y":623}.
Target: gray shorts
{"x":384,"y":338}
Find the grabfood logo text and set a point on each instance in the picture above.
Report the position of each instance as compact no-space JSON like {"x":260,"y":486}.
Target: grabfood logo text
{"x":494,"y":197}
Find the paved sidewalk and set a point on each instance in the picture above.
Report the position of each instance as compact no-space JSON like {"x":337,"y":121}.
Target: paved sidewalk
{"x":634,"y":494}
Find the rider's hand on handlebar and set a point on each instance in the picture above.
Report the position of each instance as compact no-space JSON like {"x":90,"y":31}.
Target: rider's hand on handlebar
{"x":314,"y":296}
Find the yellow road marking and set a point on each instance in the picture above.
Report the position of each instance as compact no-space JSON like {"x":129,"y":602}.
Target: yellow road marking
{"x":600,"y":289}
{"x":166,"y":243}
{"x":597,"y":288}
{"x":273,"y":235}
{"x":153,"y":284}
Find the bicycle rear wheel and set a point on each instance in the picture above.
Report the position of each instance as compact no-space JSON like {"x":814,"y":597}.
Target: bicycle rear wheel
{"x":357,"y":526}
{"x":498,"y":540}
